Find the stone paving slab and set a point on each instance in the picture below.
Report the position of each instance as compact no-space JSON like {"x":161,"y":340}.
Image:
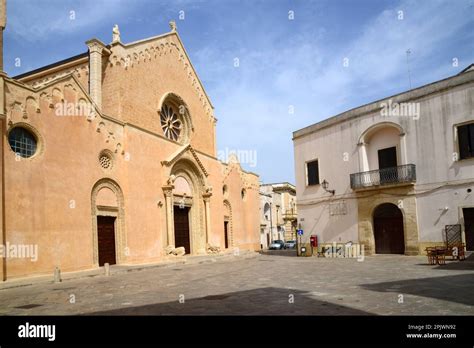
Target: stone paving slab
{"x":270,"y":284}
{"x":117,"y":269}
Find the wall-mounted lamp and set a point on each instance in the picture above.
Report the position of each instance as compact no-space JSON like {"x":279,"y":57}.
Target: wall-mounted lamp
{"x":325,"y":186}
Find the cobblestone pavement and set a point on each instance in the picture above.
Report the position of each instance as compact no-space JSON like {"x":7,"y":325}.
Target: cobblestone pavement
{"x":270,"y":284}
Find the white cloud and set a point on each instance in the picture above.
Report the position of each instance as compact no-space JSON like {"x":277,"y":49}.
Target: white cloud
{"x":252,"y":101}
{"x":33,"y":21}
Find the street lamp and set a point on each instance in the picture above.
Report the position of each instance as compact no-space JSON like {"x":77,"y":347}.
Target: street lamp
{"x":325,"y":186}
{"x":277,"y":222}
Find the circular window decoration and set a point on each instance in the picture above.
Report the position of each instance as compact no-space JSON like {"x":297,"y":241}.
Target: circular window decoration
{"x":170,"y":123}
{"x":106,"y":160}
{"x":23,"y":142}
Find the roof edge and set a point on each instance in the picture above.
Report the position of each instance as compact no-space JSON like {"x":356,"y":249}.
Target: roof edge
{"x":465,"y":76}
{"x":51,"y":66}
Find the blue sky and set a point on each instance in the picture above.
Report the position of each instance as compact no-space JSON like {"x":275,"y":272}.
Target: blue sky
{"x":284,"y":64}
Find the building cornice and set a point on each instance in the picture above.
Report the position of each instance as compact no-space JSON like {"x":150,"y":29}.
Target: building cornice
{"x":413,"y":94}
{"x":53,"y":68}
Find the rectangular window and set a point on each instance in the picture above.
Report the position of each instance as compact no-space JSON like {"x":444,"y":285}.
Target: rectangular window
{"x":466,"y":141}
{"x":312,"y":170}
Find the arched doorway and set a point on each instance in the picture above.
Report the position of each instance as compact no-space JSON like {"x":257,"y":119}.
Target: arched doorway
{"x":183,"y":203}
{"x":107,"y":223}
{"x":187,"y":207}
{"x":388,"y":229}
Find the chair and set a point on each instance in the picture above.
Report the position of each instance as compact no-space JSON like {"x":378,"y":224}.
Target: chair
{"x":431,"y":253}
{"x":456,"y":251}
{"x":440,"y":255}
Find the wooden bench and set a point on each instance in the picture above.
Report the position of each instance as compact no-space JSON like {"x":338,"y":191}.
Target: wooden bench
{"x":456,"y":251}
{"x":437,"y":255}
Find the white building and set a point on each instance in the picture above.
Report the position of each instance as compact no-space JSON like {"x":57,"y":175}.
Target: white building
{"x":278,"y":213}
{"x":402,"y":169}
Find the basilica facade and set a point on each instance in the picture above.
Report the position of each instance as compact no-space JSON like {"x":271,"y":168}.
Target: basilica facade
{"x":110,"y":157}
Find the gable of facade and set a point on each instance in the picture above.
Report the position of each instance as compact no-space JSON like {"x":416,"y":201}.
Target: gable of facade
{"x":140,"y":77}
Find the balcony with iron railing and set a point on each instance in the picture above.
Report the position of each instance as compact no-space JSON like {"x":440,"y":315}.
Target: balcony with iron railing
{"x":400,"y":175}
{"x":290,"y":214}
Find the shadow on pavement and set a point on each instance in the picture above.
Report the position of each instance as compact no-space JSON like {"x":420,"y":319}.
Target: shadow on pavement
{"x":287,"y":252}
{"x":262,"y":301}
{"x":456,"y":288}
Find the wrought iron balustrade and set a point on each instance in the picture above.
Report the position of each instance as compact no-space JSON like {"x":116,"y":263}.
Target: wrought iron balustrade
{"x":386,"y":176}
{"x":290,"y":214}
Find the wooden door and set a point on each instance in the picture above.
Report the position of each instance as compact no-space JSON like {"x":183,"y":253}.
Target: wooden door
{"x":388,"y":230}
{"x":106,"y":239}
{"x":181,"y":228}
{"x":226,"y":234}
{"x":469,"y":227}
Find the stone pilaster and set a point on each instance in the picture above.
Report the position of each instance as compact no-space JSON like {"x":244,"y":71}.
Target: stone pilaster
{"x":168,"y":191}
{"x":96,"y":51}
{"x":207,"y":210}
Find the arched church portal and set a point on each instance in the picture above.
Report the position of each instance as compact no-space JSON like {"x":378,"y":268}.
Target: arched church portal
{"x":187,"y":204}
{"x":109,"y":242}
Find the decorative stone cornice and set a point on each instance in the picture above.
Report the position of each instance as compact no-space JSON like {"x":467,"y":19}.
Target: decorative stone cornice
{"x":97,"y":46}
{"x":207,"y":194}
{"x":174,"y":158}
{"x":168,"y":190}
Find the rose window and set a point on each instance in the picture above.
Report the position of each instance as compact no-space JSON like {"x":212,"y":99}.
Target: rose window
{"x":105,"y":161}
{"x":170,"y":123}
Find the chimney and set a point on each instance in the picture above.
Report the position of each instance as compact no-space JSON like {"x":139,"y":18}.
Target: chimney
{"x":96,"y":51}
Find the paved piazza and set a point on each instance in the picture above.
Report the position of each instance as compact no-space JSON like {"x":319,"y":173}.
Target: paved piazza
{"x":276,"y":283}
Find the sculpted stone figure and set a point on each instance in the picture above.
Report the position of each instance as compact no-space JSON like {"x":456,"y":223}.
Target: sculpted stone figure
{"x":171,"y":179}
{"x":180,"y":251}
{"x":115,"y":34}
{"x":171,"y":250}
{"x":173,"y":25}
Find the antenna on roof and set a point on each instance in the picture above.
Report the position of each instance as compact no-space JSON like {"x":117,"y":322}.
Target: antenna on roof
{"x":408,"y":66}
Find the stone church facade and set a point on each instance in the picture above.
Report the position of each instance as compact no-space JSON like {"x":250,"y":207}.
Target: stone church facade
{"x":110,"y":157}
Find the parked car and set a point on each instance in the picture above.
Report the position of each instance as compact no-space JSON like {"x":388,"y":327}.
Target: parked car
{"x":277,"y":245}
{"x":290,"y":244}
